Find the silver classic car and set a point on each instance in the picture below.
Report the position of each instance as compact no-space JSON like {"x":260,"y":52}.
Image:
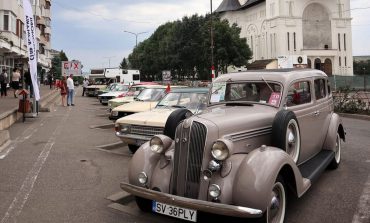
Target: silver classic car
{"x":265,"y":133}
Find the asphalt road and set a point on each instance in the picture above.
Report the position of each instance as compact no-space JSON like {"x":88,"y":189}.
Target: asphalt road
{"x":53,"y":171}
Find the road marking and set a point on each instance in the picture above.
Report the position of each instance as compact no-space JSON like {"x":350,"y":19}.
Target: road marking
{"x":362,"y":214}
{"x":24,"y":192}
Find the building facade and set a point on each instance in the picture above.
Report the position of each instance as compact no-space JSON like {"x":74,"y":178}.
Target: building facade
{"x":320,"y":30}
{"x":13,"y":48}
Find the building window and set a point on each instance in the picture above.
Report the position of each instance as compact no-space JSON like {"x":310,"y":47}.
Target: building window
{"x":10,"y":21}
{"x":288,"y":41}
{"x":339,"y":41}
{"x":20,"y":28}
{"x":344,"y":42}
{"x":252,"y":43}
{"x":345,"y":61}
{"x":294,"y":41}
{"x":340,"y":61}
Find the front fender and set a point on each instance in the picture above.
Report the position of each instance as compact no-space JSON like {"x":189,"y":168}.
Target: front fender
{"x":335,"y":127}
{"x":144,"y":160}
{"x":257,"y":174}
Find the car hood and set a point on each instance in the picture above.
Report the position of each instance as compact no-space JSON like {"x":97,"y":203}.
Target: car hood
{"x":123,"y":99}
{"x":156,"y":117}
{"x":236,"y":119}
{"x":136,"y":106}
{"x":112,"y":94}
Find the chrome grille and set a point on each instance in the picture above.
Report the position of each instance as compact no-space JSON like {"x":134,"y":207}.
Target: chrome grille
{"x":188,"y":159}
{"x":146,"y":130}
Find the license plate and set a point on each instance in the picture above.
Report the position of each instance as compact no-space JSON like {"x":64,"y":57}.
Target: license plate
{"x":174,"y":211}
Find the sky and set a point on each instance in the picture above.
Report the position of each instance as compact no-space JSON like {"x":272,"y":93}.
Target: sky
{"x":93,"y":31}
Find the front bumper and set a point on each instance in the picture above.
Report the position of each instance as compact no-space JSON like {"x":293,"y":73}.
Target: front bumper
{"x":200,"y":205}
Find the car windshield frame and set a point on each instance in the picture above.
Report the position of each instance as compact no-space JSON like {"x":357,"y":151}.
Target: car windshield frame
{"x":264,"y":92}
{"x":181,"y":96}
{"x":143,"y":95}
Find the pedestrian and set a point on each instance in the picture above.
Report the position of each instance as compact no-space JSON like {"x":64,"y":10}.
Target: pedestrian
{"x":85,"y":83}
{"x":15,"y":80}
{"x":63,"y":90}
{"x":3,"y":82}
{"x":50,"y":80}
{"x":71,"y":90}
{"x":28,"y":82}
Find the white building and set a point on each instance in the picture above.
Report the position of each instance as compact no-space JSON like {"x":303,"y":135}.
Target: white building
{"x":13,"y":48}
{"x":320,"y":30}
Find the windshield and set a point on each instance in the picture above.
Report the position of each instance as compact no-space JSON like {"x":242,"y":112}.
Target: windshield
{"x":253,"y":92}
{"x":189,"y":100}
{"x":154,"y":94}
{"x":120,"y":87}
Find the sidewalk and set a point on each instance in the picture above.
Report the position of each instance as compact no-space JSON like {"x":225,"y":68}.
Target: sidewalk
{"x":9,"y":105}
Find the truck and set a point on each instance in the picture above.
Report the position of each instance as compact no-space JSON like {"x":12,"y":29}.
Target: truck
{"x":123,"y":75}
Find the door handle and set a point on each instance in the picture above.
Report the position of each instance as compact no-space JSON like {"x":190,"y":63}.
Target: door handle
{"x":316,"y":113}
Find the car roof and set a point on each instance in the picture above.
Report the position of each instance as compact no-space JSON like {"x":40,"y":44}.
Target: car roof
{"x":145,"y":83}
{"x":278,"y":75}
{"x":189,"y":90}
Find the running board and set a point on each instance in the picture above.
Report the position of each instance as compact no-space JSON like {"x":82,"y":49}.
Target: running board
{"x":313,"y":168}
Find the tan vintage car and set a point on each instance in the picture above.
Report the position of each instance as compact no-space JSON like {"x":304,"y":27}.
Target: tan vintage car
{"x":136,"y":129}
{"x":264,"y":133}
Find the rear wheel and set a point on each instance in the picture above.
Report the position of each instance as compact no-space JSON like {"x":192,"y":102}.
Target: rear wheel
{"x":337,"y":151}
{"x":133,"y":148}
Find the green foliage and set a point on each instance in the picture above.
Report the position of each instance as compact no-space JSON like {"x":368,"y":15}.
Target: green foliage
{"x":56,"y":64}
{"x":361,"y":67}
{"x":349,"y":101}
{"x":124,"y":64}
{"x":183,"y":47}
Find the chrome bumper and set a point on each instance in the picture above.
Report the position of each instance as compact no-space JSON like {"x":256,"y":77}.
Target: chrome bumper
{"x":200,"y":205}
{"x":133,"y":137}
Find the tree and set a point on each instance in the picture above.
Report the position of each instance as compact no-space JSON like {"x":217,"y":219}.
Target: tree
{"x":361,"y":67}
{"x":123,"y":64}
{"x":184,"y":48}
{"x":56,"y":64}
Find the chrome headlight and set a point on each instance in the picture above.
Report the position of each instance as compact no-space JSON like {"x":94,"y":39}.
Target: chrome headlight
{"x":114,"y":113}
{"x":125,"y":128}
{"x":142,"y":178}
{"x":156,"y":145}
{"x":214,"y":191}
{"x":220,"y":151}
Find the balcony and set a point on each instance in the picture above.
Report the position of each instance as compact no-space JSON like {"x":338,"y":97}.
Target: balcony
{"x":40,"y":21}
{"x":46,"y":13}
{"x":48,"y":30}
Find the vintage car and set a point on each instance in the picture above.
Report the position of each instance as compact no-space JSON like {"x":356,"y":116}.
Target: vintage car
{"x":146,"y":100}
{"x":129,"y":95}
{"x":113,"y":93}
{"x":264,"y":134}
{"x":138,"y":128}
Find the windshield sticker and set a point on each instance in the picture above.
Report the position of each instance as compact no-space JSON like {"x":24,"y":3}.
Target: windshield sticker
{"x":274,"y":99}
{"x":218,"y":92}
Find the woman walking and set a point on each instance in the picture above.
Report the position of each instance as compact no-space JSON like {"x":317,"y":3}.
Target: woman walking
{"x":63,"y":91}
{"x":15,"y":81}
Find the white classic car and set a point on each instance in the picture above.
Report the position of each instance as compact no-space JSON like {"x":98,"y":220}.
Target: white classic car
{"x":138,"y":128}
{"x":117,"y":90}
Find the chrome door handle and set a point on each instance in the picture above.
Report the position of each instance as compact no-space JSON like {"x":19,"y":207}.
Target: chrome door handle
{"x":316,"y":113}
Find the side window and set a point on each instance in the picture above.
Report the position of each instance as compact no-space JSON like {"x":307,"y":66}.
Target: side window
{"x":329,"y":88}
{"x":299,"y":93}
{"x":320,"y":90}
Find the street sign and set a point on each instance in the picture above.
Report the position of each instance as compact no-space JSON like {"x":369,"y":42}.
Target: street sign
{"x":71,"y":67}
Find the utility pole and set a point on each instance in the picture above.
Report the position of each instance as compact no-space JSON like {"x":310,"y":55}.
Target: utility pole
{"x":109,"y":60}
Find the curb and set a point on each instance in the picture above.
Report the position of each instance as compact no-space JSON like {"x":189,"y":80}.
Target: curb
{"x":355,"y":116}
{"x":4,"y":137}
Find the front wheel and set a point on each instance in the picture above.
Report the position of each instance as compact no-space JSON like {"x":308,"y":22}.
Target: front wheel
{"x":275,"y":212}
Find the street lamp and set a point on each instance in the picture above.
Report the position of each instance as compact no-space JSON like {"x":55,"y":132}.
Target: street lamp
{"x":212,"y":46}
{"x":136,"y":34}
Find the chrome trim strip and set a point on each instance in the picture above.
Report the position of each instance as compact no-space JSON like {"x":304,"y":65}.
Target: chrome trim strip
{"x":250,"y":134}
{"x":200,"y":205}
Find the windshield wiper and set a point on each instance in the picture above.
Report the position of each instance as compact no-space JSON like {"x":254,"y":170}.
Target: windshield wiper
{"x":178,"y":106}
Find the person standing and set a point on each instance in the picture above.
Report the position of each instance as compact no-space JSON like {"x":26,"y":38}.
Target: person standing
{"x":85,"y":83}
{"x":63,"y":91}
{"x":15,"y":80}
{"x":71,"y":90}
{"x":3,"y":82}
{"x":50,"y":80}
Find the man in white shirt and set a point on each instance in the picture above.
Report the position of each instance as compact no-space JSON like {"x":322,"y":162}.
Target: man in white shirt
{"x":85,"y":83}
{"x":71,"y":90}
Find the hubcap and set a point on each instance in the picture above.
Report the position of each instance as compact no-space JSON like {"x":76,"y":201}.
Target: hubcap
{"x":276,"y":211}
{"x":292,"y":143}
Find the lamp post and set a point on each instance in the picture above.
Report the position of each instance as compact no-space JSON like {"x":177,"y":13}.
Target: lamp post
{"x":136,"y":34}
{"x":212,"y":46}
